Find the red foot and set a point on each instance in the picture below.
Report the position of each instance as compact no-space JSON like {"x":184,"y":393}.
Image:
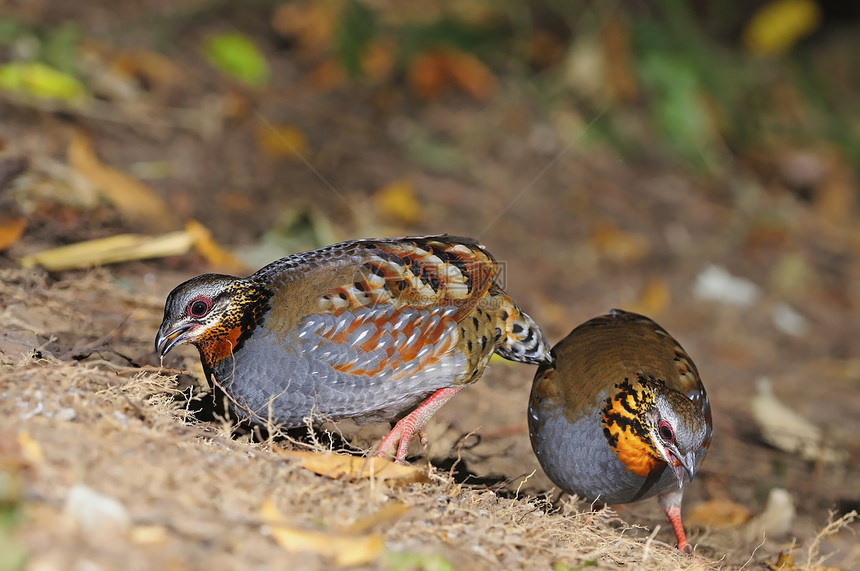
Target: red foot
{"x":413,"y":423}
{"x":674,"y":515}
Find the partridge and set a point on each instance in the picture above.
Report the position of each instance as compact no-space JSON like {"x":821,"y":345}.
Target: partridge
{"x":368,"y":329}
{"x":620,"y":414}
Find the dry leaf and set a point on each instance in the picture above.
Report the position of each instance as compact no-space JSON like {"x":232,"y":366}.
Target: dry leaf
{"x":30,"y":449}
{"x":777,"y":26}
{"x":397,"y":202}
{"x":344,"y":466}
{"x":378,"y":59}
{"x":620,"y":74}
{"x":152,"y":67}
{"x":718,"y":512}
{"x":328,"y":76}
{"x":617,"y":245}
{"x":836,"y":198}
{"x":149,"y":535}
{"x":545,"y":49}
{"x":784,"y":562}
{"x":428,"y":77}
{"x":387,"y":514}
{"x":787,"y":430}
{"x":655,"y":297}
{"x":120,"y":248}
{"x":282,"y":141}
{"x":134,"y":200}
{"x":205,"y":245}
{"x":11,"y":231}
{"x":435,"y":71}
{"x":345,"y":550}
{"x":471,"y":75}
{"x":310,"y":24}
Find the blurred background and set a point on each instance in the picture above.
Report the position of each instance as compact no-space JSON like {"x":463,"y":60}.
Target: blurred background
{"x":693,"y":161}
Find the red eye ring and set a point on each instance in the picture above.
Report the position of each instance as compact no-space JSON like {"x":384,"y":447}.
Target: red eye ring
{"x":666,"y":431}
{"x":199,"y":307}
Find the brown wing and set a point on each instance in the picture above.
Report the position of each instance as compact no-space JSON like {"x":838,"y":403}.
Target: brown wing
{"x":606,"y":349}
{"x":417,"y":272}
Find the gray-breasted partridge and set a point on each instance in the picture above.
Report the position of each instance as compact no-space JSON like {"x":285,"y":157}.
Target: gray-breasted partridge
{"x":367,"y":329}
{"x":620,"y":414}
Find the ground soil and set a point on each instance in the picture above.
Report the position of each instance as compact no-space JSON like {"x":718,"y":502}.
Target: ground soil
{"x":579,"y":230}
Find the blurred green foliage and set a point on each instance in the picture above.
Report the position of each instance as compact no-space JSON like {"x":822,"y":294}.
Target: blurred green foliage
{"x":236,"y":55}
{"x":701,"y":94}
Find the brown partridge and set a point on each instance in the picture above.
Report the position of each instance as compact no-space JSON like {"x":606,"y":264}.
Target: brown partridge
{"x":367,"y":329}
{"x":620,"y":414}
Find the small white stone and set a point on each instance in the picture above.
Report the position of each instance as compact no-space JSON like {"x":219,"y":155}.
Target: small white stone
{"x":789,"y":321}
{"x":96,"y":512}
{"x":67,"y":414}
{"x":715,"y":283}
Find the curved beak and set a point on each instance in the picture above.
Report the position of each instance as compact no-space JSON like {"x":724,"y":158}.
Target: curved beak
{"x":165,"y":341}
{"x":683,"y":464}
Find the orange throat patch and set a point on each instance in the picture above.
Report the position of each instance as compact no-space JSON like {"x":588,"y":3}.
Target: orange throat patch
{"x":217,"y":348}
{"x":626,"y":430}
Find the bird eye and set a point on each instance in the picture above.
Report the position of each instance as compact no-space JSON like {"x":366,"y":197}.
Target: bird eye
{"x":199,"y":307}
{"x":666,"y":431}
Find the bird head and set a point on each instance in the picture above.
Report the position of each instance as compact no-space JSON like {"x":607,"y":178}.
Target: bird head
{"x":213,"y":312}
{"x":677,"y":431}
{"x":649,"y":425}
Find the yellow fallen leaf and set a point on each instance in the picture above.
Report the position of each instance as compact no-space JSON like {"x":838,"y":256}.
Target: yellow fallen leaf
{"x":397,"y":201}
{"x":719,"y":512}
{"x":345,"y":466}
{"x":205,"y":245}
{"x":134,"y":200}
{"x":282,"y":141}
{"x":777,"y":26}
{"x":784,"y":562}
{"x":387,"y":514}
{"x":149,"y":534}
{"x":119,"y":248}
{"x":11,"y":231}
{"x":654,"y":298}
{"x":41,"y":81}
{"x":30,"y":449}
{"x":617,"y":245}
{"x":345,"y":550}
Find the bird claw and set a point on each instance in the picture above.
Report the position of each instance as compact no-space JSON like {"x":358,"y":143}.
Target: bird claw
{"x":423,"y":438}
{"x":397,"y":440}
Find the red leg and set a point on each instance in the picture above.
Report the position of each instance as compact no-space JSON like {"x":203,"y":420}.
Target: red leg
{"x":674,"y":515}
{"x":407,"y":427}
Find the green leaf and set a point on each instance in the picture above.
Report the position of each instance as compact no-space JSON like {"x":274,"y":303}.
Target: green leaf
{"x":41,"y":81}
{"x":357,"y":27}
{"x":9,"y":30}
{"x":236,"y":56}
{"x":60,"y":47}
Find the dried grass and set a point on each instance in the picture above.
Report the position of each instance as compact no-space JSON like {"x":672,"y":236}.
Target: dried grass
{"x":195,"y":494}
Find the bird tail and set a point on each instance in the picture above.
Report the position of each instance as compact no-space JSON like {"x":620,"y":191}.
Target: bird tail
{"x":522,"y":340}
